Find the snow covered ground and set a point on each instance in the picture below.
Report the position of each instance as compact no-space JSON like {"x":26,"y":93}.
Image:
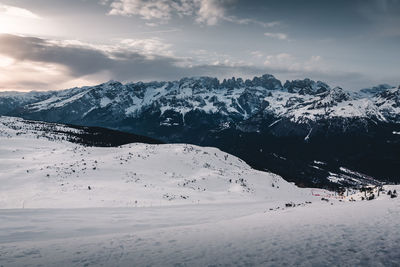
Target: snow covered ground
{"x":63,"y":204}
{"x":39,"y":173}
{"x":319,"y":234}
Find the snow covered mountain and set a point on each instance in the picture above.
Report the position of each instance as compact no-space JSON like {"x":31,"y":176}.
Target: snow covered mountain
{"x":204,"y":101}
{"x":301,"y":100}
{"x":260,"y":120}
{"x":40,"y":169}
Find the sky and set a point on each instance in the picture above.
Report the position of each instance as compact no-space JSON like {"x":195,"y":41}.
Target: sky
{"x":58,"y":44}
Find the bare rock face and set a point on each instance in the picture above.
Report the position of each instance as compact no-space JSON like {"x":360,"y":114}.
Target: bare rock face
{"x":306,"y":86}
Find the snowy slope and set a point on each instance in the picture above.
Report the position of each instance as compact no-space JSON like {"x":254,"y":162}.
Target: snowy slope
{"x":13,"y":100}
{"x":36,"y":172}
{"x":389,"y":102}
{"x":325,"y":106}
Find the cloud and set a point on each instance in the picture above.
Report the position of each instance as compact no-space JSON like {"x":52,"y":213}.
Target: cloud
{"x":5,"y":61}
{"x":16,"y":19}
{"x":288,"y":62}
{"x":17,"y":12}
{"x":276,"y":35}
{"x":257,"y":54}
{"x":252,"y":21}
{"x":288,"y":66}
{"x":29,"y":63}
{"x":205,"y":12}
{"x":54,"y":62}
{"x":104,"y":2}
{"x":384,"y":15}
{"x":79,"y":60}
{"x":151,"y":9}
{"x":35,"y":63}
{"x":153,"y":46}
{"x":210,"y":11}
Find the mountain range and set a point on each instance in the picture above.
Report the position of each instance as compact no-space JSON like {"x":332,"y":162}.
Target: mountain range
{"x":303,"y":130}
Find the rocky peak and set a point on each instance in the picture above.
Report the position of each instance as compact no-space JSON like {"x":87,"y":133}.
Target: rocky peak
{"x":110,"y":89}
{"x":197,"y":82}
{"x":337,"y":94}
{"x":232,"y":83}
{"x":331,"y":98}
{"x":110,"y":85}
{"x":266,"y":81}
{"x":306,"y":87}
{"x":376,"y":89}
{"x":391,"y":95}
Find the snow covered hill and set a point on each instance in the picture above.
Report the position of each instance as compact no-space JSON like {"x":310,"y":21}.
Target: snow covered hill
{"x":39,"y":169}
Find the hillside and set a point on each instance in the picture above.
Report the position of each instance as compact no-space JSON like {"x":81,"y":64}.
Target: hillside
{"x":40,"y":169}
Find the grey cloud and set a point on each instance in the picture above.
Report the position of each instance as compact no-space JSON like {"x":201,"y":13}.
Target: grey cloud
{"x":384,"y":15}
{"x":79,"y":60}
{"x":126,"y":66}
{"x":206,"y":12}
{"x":121,"y":64}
